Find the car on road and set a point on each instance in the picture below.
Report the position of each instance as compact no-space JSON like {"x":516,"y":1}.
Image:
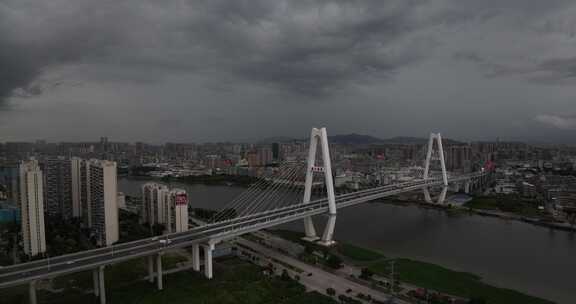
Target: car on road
{"x":165,"y":241}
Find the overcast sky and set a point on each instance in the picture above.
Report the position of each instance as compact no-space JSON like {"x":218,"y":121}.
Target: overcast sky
{"x":215,"y":70}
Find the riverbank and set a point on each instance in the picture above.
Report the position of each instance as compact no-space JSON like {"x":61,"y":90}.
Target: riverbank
{"x":478,"y":210}
{"x":427,"y":276}
{"x":209,"y":180}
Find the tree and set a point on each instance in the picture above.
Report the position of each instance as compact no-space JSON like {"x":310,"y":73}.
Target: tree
{"x":285,"y":276}
{"x":334,"y":262}
{"x":331,"y":292}
{"x":477,"y":300}
{"x":366,"y":274}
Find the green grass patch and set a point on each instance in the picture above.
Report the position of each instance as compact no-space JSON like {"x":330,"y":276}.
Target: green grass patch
{"x":171,"y":261}
{"x":235,"y":282}
{"x":485,"y":203}
{"x":452,"y":282}
{"x":510,"y":204}
{"x":358,"y":253}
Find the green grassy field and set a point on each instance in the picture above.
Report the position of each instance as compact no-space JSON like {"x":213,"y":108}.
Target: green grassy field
{"x":358,"y":253}
{"x":236,"y":282}
{"x":452,"y":282}
{"x":506,"y":204}
{"x":427,"y":275}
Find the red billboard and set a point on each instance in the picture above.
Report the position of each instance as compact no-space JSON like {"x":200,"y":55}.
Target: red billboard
{"x":181,"y":199}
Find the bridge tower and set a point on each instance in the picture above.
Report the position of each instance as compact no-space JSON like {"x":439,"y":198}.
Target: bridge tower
{"x":435,"y":137}
{"x":319,"y":137}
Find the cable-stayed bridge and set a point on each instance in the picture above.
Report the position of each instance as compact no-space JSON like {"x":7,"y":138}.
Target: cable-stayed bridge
{"x":296,"y":190}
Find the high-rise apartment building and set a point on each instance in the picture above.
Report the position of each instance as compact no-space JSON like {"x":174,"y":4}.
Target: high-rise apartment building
{"x":31,"y":199}
{"x":77,"y":180}
{"x":101,"y":196}
{"x":178,"y":211}
{"x":58,"y":187}
{"x":458,"y":158}
{"x":164,"y":207}
{"x":275,"y":151}
{"x":154,"y":203}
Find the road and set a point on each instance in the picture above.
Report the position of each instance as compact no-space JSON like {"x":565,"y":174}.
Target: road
{"x":320,"y":280}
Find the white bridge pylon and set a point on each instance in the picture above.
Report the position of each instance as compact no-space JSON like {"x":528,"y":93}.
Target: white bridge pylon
{"x":320,"y":137}
{"x":435,"y":137}
{"x":438,"y":138}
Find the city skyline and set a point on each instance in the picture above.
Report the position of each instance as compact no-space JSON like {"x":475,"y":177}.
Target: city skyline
{"x":288,"y":151}
{"x":355,"y":138}
{"x":466,"y":69}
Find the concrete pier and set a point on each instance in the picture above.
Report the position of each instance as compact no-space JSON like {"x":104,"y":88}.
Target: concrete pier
{"x":159,"y":271}
{"x":196,"y":257}
{"x":96,"y":282}
{"x":151,"y":269}
{"x":102,"y":285}
{"x":208,"y":260}
{"x":32,"y":291}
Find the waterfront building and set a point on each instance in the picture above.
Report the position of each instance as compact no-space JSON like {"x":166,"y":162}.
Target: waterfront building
{"x":31,"y":199}
{"x":162,"y":206}
{"x":102,"y":190}
{"x":58,"y":187}
{"x":78,"y":182}
{"x":154,"y":202}
{"x":177,"y":215}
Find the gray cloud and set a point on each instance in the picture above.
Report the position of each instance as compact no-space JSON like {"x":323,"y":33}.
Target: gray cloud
{"x":307,"y":47}
{"x":563,"y":122}
{"x":442,"y":63}
{"x":312,"y":48}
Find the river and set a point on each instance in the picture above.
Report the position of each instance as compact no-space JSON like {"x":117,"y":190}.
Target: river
{"x":534,"y":260}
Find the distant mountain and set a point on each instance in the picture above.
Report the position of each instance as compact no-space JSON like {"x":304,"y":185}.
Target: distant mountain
{"x":404,"y":140}
{"x":278,"y":139}
{"x":359,"y":139}
{"x":354,"y":139}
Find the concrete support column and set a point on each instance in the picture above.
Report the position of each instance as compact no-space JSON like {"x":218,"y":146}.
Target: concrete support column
{"x":32,"y":291}
{"x":310,"y":230}
{"x":96,"y":282}
{"x":102,"y":285}
{"x":159,"y":271}
{"x":151,"y":269}
{"x":208,"y":260}
{"x":328,"y":236}
{"x":442,"y":197}
{"x":196,"y":257}
{"x":467,"y":187}
{"x":427,"y":197}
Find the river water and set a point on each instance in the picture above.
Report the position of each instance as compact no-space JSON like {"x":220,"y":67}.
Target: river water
{"x":534,"y":260}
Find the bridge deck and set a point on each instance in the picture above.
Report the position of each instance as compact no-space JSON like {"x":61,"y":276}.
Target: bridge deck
{"x":66,"y":264}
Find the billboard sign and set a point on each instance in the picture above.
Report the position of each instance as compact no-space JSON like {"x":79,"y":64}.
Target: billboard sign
{"x":181,"y":199}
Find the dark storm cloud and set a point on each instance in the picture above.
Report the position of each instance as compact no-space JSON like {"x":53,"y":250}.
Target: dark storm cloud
{"x":548,"y":71}
{"x":558,"y":69}
{"x":307,"y":47}
{"x":33,"y":39}
{"x":563,"y":122}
